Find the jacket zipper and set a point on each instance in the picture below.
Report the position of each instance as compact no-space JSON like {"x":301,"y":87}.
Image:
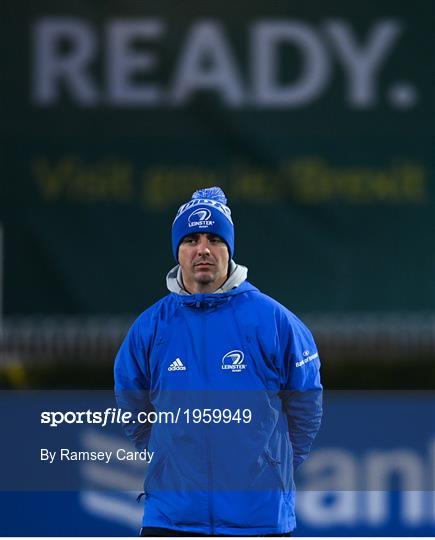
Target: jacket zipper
{"x":207,"y":444}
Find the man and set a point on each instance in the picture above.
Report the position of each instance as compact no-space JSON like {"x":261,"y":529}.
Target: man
{"x":243,"y":374}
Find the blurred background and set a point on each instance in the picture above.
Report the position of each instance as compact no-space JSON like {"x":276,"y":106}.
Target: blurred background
{"x":317,"y":121}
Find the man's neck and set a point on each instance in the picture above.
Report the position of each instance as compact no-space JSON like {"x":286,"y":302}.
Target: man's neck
{"x":202,"y":288}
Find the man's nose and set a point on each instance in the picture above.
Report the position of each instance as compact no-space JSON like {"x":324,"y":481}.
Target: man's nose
{"x":203,"y":247}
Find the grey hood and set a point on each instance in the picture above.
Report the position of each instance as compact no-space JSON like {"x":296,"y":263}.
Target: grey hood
{"x":238,"y":275}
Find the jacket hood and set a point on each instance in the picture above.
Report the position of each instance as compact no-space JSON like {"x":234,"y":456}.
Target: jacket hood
{"x":238,"y":275}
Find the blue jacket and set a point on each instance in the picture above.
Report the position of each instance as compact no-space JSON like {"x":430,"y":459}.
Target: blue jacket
{"x":206,"y":353}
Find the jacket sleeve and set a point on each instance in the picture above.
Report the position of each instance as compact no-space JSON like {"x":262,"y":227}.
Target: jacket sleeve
{"x":132,"y":385}
{"x":302,"y":390}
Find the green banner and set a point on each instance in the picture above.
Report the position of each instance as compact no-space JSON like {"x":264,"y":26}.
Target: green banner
{"x":317,"y":121}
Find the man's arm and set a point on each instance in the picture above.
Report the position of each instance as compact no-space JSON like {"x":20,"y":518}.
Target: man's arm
{"x":132,"y":385}
{"x":304,"y":414}
{"x":302,"y":392}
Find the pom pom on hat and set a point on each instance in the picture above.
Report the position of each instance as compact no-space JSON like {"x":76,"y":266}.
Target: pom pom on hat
{"x":206,"y":212}
{"x":213,"y":193}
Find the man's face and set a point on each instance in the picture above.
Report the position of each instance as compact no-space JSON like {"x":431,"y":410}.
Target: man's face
{"x":204,"y":262}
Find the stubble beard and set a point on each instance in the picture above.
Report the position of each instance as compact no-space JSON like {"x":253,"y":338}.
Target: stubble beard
{"x":205,"y":278}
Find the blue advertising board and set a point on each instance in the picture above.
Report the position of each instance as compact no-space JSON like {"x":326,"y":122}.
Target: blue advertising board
{"x":371,"y":471}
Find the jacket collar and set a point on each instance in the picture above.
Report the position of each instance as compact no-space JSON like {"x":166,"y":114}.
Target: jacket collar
{"x":213,"y":300}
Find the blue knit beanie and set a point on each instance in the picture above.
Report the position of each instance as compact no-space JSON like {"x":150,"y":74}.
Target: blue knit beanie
{"x":206,"y":212}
